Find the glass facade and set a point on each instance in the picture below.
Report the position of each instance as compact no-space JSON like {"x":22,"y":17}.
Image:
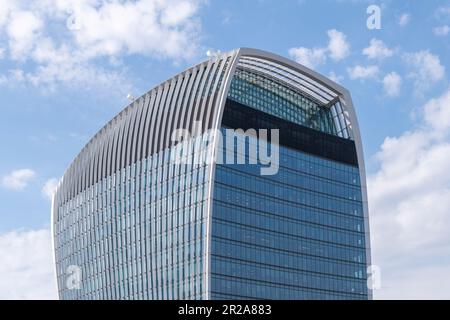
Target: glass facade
{"x":136,"y":224}
{"x":138,"y":234}
{"x":298,"y":234}
{"x":269,"y":96}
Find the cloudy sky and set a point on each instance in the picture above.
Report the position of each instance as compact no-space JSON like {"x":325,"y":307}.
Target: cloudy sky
{"x":66,"y":69}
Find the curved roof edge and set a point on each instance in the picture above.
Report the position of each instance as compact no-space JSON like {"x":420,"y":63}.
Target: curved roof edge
{"x":334,"y":86}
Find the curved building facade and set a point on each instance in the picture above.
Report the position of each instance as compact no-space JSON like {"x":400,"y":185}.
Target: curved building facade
{"x":130,"y":222}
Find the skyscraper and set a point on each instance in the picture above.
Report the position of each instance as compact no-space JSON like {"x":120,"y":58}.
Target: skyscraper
{"x":132,"y":221}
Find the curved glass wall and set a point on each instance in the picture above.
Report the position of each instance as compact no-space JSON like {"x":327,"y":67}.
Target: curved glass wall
{"x":298,"y":234}
{"x":138,"y":234}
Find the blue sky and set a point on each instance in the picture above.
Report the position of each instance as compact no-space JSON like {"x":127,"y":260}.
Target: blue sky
{"x":66,"y":69}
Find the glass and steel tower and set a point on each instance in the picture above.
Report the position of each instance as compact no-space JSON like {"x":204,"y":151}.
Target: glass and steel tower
{"x":130,"y":223}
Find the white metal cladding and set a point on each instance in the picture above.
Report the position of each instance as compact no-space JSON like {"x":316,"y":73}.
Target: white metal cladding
{"x":292,"y":78}
{"x":145,"y":126}
{"x":144,"y":129}
{"x":199,"y":93}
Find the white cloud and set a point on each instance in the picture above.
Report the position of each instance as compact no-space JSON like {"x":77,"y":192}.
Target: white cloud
{"x":49,"y":188}
{"x":62,"y":65}
{"x":415,"y":282}
{"x":308,"y":57}
{"x":392,"y":83}
{"x":18,"y":179}
{"x":156,"y":28}
{"x":409,"y":201}
{"x":64,"y":41}
{"x":27,"y":271}
{"x":377,"y":50}
{"x":22,"y":30}
{"x":442,"y":30}
{"x":437,"y":113}
{"x":337,"y":49}
{"x":443,"y":12}
{"x":338,"y":46}
{"x":361,"y":72}
{"x":5,"y":8}
{"x":426,"y":69}
{"x":404,"y":19}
